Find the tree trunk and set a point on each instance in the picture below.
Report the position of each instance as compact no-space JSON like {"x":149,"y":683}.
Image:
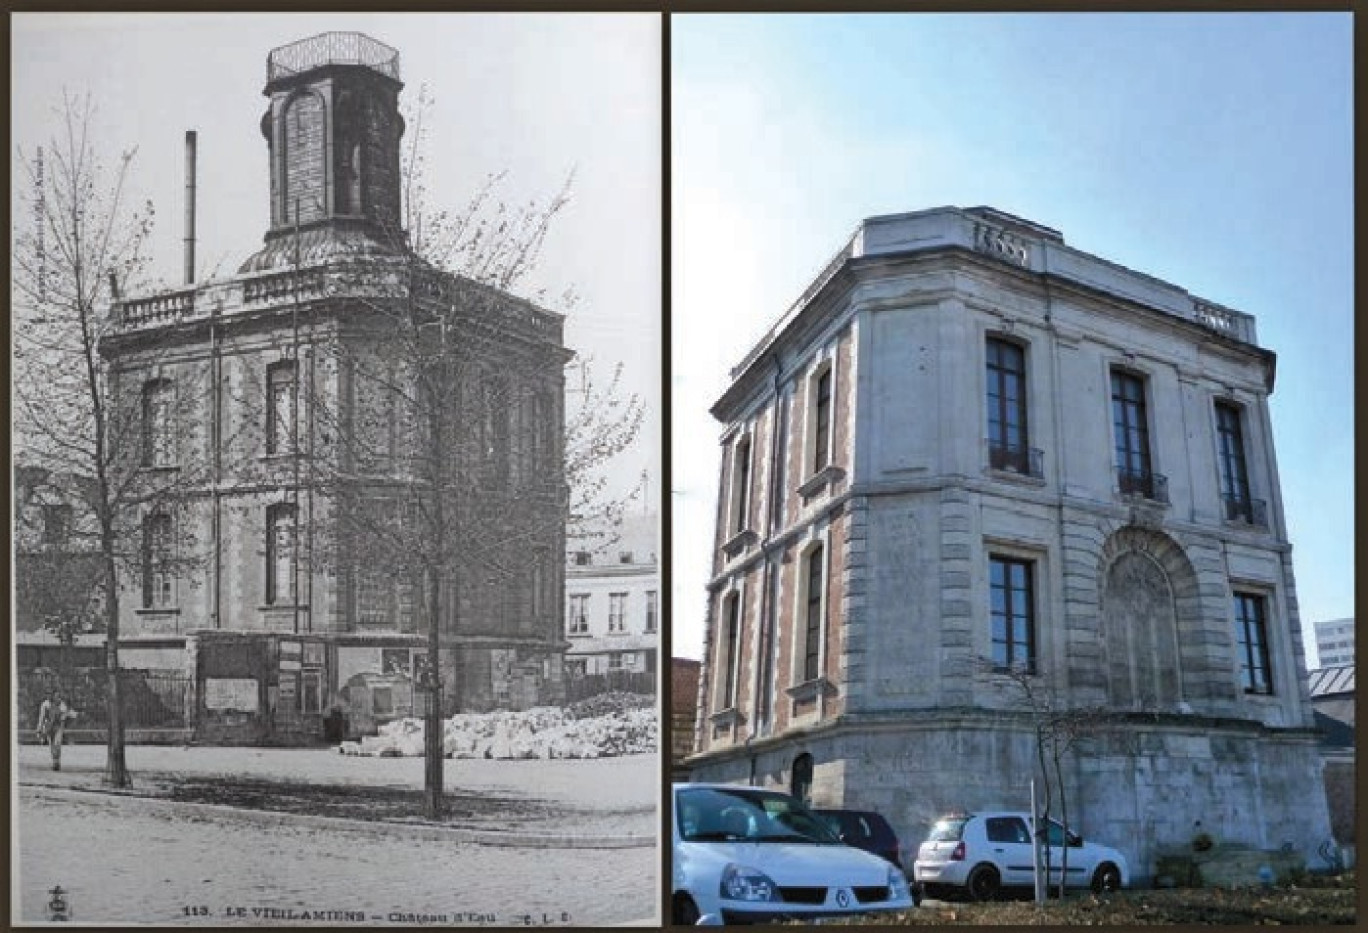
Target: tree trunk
{"x":116,"y":770}
{"x":432,"y":725}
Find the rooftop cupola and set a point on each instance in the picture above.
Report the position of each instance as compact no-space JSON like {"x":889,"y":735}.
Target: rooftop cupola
{"x":333,"y":130}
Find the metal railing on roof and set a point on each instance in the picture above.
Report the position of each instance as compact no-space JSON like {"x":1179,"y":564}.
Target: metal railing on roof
{"x":332,"y":48}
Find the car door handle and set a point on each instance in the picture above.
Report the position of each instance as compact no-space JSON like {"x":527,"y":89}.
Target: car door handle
{"x":999,"y":850}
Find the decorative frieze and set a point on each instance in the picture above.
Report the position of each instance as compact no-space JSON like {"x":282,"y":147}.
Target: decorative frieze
{"x":1003,"y":245}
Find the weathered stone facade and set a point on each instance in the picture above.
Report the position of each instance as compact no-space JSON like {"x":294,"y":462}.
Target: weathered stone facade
{"x":282,"y":402}
{"x":1113,"y":525}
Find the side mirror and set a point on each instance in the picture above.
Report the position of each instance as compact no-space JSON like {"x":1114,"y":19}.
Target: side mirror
{"x":1075,"y":841}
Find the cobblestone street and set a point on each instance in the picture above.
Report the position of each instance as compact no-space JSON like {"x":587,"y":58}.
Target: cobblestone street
{"x":135,"y":859}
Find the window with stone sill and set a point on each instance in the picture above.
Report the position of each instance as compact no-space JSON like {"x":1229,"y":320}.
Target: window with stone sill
{"x":159,"y":584}
{"x":158,"y":424}
{"x":739,"y":509}
{"x":280,"y":408}
{"x":1009,"y":445}
{"x":281,"y":540}
{"x":811,"y":613}
{"x":617,"y":613}
{"x":1012,"y":610}
{"x":730,"y":647}
{"x":1251,"y":640}
{"x":578,"y":607}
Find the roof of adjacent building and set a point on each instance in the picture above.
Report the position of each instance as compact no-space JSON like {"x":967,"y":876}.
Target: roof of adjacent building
{"x":1328,"y":681}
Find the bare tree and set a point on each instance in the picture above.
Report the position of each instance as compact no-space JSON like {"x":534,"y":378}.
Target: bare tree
{"x":78,"y":246}
{"x":76,"y":236}
{"x":1057,"y":728}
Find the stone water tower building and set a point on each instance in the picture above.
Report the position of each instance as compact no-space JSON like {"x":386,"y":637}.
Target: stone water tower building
{"x":300,"y":417}
{"x":970,"y":447}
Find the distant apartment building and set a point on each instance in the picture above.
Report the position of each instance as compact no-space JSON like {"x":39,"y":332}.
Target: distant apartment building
{"x":970,"y":450}
{"x":1334,"y":642}
{"x":612,"y":603}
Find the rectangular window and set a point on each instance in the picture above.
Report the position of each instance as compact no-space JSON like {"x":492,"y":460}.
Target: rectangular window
{"x":1131,"y":431}
{"x":280,"y":554}
{"x":812,"y":647}
{"x":731,"y":645}
{"x":652,"y":611}
{"x":56,"y":524}
{"x":158,"y":581}
{"x":578,"y":622}
{"x":158,"y":439}
{"x":280,"y":407}
{"x":1230,"y":456}
{"x":1008,"y":444}
{"x":372,"y":598}
{"x":1013,"y":613}
{"x":741,"y":466}
{"x":821,"y":422}
{"x":617,"y":612}
{"x":1251,"y":636}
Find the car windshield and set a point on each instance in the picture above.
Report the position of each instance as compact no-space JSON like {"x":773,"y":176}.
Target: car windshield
{"x":724,"y":814}
{"x":950,"y":829}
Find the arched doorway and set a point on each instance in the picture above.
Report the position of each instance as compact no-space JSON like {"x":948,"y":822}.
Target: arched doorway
{"x":800,"y":783}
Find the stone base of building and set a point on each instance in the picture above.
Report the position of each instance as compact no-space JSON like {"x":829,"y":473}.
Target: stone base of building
{"x":1138,"y":785}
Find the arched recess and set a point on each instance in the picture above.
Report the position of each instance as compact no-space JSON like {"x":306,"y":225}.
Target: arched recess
{"x":1149,"y":610}
{"x":800,"y":779}
{"x":303,"y":157}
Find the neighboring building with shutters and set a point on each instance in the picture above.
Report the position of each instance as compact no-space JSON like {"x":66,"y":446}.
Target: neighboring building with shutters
{"x":301,"y":411}
{"x":970,"y":446}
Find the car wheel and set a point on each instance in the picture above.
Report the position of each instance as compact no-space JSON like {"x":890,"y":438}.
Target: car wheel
{"x":1107,"y":878}
{"x":685,"y":911}
{"x":984,"y":883}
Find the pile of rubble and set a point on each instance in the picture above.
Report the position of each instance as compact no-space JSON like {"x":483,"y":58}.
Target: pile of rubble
{"x":602,"y":727}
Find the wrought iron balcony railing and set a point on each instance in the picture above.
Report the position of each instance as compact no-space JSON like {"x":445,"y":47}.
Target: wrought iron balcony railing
{"x":1247,"y":510}
{"x":1153,"y":486}
{"x":1028,"y":461}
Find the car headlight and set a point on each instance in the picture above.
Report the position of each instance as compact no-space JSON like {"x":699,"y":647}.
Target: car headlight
{"x":897,"y":884}
{"x":740,"y":883}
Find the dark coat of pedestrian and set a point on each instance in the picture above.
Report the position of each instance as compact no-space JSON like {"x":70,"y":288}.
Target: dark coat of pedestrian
{"x":53,"y":716}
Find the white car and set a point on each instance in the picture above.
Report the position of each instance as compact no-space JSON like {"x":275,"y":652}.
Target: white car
{"x":982,"y":853}
{"x":747,"y":855}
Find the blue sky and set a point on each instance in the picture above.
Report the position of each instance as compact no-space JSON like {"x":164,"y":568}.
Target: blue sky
{"x":1213,"y":151}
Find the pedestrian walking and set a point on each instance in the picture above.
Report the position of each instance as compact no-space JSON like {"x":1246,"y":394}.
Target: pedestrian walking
{"x":52,"y":719}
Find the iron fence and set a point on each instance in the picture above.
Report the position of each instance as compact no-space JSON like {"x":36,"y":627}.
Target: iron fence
{"x":151,"y":699}
{"x":584,"y":686}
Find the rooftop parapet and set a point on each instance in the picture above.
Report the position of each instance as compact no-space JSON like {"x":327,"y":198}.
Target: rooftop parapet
{"x":362,"y":282}
{"x":1016,"y":242}
{"x":331,"y":48}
